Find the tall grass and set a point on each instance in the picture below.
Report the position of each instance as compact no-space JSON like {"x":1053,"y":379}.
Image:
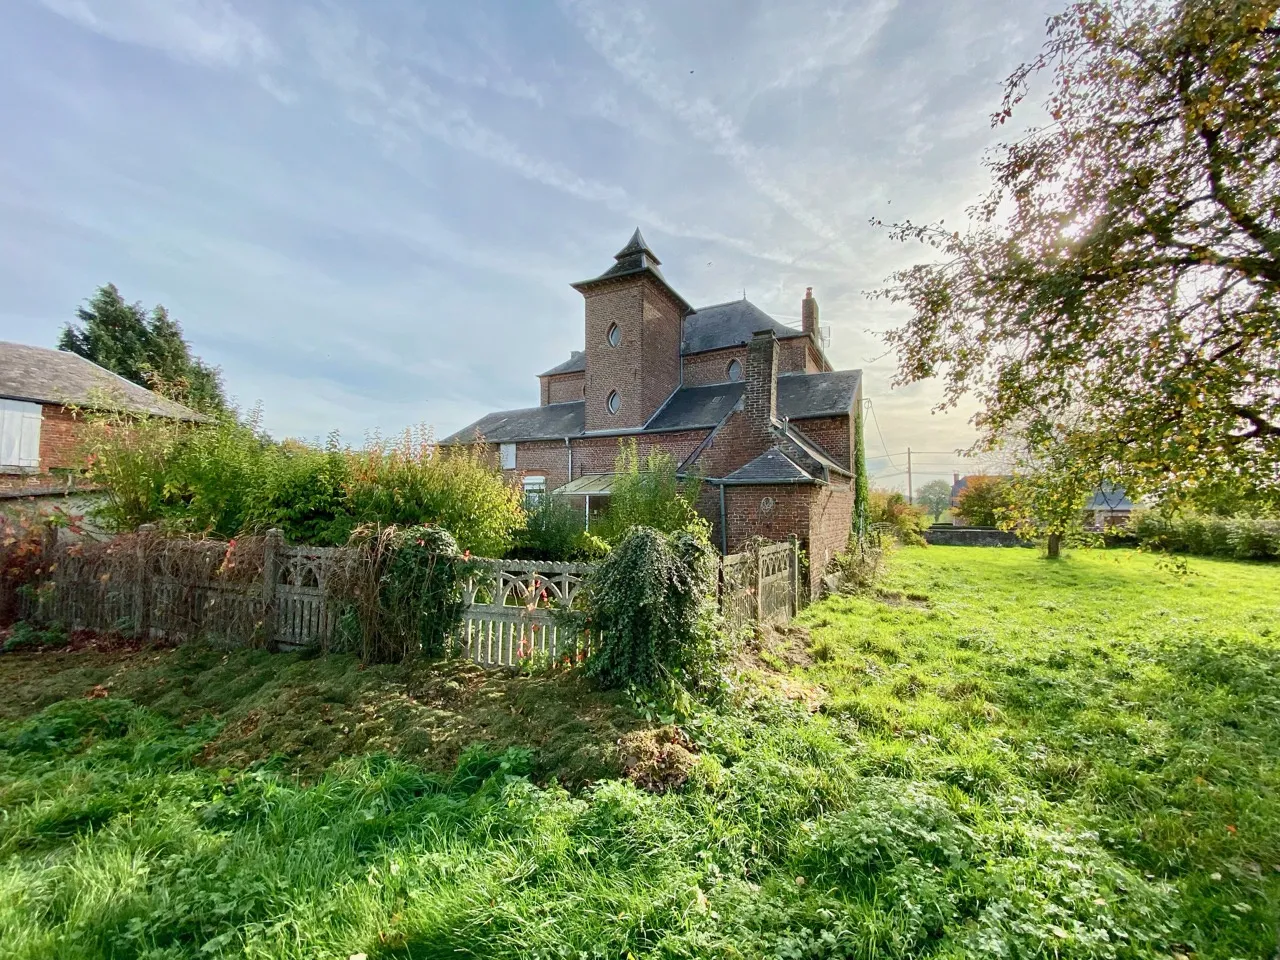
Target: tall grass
{"x":1035,"y":761}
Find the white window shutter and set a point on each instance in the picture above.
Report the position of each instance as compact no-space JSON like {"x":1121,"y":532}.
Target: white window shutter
{"x":507,"y":455}
{"x":19,"y":434}
{"x":29,"y":445}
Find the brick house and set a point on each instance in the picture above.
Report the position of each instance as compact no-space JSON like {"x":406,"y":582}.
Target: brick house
{"x":747,"y":403}
{"x":39,"y":431}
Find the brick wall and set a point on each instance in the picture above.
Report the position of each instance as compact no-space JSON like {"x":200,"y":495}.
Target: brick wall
{"x":793,"y":355}
{"x":834,"y":434}
{"x":562,"y":388}
{"x":60,"y":449}
{"x":644,"y":367}
{"x":830,"y":523}
{"x":550,"y":459}
{"x":712,"y":366}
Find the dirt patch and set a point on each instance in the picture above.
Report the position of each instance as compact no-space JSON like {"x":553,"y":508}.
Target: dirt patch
{"x":773,"y":658}
{"x":658,"y":760}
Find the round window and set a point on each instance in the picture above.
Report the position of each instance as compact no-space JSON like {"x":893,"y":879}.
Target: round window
{"x":614,"y":402}
{"x":735,"y":370}
{"x":615,"y":335}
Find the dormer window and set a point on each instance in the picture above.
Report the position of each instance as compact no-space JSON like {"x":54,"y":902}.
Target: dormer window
{"x":734,"y":372}
{"x":614,"y":402}
{"x":614,"y":335}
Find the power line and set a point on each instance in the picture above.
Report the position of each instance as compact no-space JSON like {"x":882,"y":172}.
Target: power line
{"x":876,"y":420}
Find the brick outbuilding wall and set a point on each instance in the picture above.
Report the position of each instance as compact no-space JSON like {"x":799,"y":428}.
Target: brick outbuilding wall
{"x":60,"y":449}
{"x":833,"y":434}
{"x":562,"y":388}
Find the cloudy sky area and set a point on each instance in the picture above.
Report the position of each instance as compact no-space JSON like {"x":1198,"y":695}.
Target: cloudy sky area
{"x":368,"y":214}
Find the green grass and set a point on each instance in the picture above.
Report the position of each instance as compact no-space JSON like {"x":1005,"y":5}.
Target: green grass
{"x":999,"y":756}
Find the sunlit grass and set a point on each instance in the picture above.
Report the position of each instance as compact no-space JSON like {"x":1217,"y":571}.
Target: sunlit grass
{"x":1013,"y":758}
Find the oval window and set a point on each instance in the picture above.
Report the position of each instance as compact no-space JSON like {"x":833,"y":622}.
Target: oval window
{"x":735,"y":370}
{"x":613,"y":402}
{"x":615,"y":335}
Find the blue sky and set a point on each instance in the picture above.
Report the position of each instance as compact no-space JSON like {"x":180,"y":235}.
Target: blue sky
{"x":368,"y":213}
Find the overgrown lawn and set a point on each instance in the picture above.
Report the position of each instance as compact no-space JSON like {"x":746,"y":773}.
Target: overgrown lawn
{"x":999,"y":756}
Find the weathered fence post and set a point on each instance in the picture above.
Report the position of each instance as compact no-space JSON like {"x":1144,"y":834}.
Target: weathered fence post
{"x":270,"y":577}
{"x":795,"y":574}
{"x":755,"y":552}
{"x":142,"y":588}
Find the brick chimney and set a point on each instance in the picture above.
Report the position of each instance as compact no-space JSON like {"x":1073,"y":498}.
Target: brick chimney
{"x":809,"y":313}
{"x":760,"y":400}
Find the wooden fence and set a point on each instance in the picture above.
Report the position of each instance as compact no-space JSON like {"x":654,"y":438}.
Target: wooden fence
{"x":761,"y":584}
{"x":281,"y":596}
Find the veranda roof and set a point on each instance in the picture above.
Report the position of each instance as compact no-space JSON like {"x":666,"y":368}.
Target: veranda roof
{"x":591,"y":485}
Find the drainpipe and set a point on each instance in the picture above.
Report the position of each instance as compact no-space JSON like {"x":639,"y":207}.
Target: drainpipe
{"x":724,"y":527}
{"x":569,"y":449}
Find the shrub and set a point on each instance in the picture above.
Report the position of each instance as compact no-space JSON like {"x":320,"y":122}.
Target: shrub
{"x":650,"y":494}
{"x":405,"y":586}
{"x":1244,"y":538}
{"x":27,"y":636}
{"x":980,"y":501}
{"x":301,"y":491}
{"x":553,"y":530}
{"x":891,"y":507}
{"x":414,"y":481}
{"x":650,"y":600}
{"x":859,"y":567}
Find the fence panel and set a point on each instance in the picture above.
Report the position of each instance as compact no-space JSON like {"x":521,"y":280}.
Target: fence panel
{"x":508,"y":612}
{"x":182,"y":589}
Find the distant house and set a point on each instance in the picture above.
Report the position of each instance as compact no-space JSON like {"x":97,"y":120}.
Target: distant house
{"x":39,"y":432}
{"x":1110,"y":506}
{"x":747,"y":403}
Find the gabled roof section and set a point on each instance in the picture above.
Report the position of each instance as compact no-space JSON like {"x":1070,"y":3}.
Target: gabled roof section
{"x":772,"y":466}
{"x":1109,"y":496}
{"x":41,"y":375}
{"x":577,"y":363}
{"x":553,"y":421}
{"x":691,"y":407}
{"x":803,"y":395}
{"x":632,"y":260}
{"x":729,"y":324}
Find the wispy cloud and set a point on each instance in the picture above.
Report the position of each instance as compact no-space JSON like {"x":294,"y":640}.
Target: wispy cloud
{"x":623,"y":36}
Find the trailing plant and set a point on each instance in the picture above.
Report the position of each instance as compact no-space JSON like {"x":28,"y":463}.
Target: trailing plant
{"x":861,"y":485}
{"x":650,"y":493}
{"x":651,"y":602}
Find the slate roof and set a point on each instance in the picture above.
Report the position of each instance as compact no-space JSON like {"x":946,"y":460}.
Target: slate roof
{"x":577,"y":363}
{"x":1109,"y":496}
{"x":803,"y":395}
{"x":634,"y":258}
{"x":800,"y":395}
{"x":729,"y":325}
{"x":692,"y":407}
{"x":41,"y":375}
{"x":549,"y":422}
{"x":707,"y":328}
{"x":772,"y":466}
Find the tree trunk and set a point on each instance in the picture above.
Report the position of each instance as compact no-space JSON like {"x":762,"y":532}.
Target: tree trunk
{"x":1055,"y":546}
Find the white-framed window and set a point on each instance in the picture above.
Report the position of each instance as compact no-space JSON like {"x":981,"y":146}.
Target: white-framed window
{"x":507,"y":455}
{"x":534,"y":488}
{"x":19,"y":435}
{"x":735,"y":370}
{"x":614,"y":403}
{"x":614,"y":335}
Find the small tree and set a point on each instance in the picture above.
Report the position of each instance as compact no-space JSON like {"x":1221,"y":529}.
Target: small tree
{"x":980,"y":501}
{"x":1045,"y":500}
{"x":649,"y":493}
{"x":935,"y":497}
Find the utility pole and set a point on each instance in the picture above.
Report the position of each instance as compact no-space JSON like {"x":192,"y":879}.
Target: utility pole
{"x":910,"y":490}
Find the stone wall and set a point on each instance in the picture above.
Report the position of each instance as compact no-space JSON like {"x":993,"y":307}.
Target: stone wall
{"x":972,"y":537}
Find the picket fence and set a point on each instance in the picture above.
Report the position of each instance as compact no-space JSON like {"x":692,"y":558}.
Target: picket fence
{"x":289,"y":605}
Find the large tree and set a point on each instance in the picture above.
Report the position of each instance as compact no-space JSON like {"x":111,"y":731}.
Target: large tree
{"x":147,"y":348}
{"x":1118,"y":288}
{"x":935,"y":497}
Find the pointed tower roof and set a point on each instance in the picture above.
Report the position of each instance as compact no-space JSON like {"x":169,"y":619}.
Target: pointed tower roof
{"x":634,"y":258}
